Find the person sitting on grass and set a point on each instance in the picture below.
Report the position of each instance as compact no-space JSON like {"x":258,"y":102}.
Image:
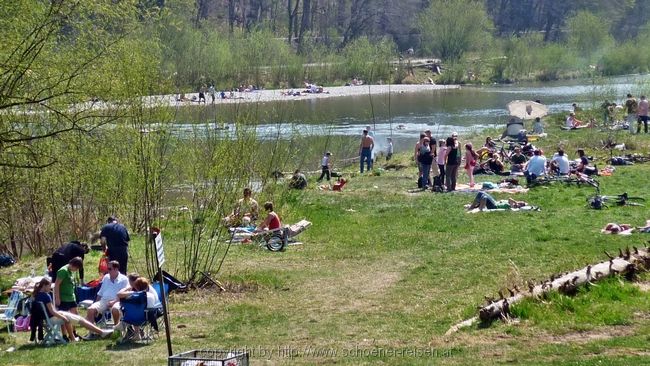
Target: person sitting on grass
{"x":536,"y":166}
{"x":63,"y":318}
{"x":560,"y":163}
{"x":517,"y":161}
{"x":484,"y":201}
{"x":246,"y":207}
{"x":491,"y":165}
{"x":272,"y":221}
{"x":487,"y":148}
{"x":538,"y":127}
{"x":583,"y":164}
{"x":572,"y":122}
{"x":298,"y":181}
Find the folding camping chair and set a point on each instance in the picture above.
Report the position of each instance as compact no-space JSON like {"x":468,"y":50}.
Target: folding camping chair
{"x":9,"y":314}
{"x":48,"y":332}
{"x":278,"y":239}
{"x":135,"y":325}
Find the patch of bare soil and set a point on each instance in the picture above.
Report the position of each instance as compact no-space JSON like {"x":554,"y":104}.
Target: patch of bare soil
{"x":643,"y":286}
{"x":589,"y":336}
{"x":356,"y":287}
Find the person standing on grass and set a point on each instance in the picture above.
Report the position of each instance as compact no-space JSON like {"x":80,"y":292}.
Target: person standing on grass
{"x":453,"y":162}
{"x":470,"y":162}
{"x":64,"y":289}
{"x":432,"y":145}
{"x":642,"y":115}
{"x":425,"y":159}
{"x":389,"y":149}
{"x":417,"y":153}
{"x":440,"y":159}
{"x":365,"y":151}
{"x":631,"y":106}
{"x":326,"y":166}
{"x":202,"y":90}
{"x":115,"y":238}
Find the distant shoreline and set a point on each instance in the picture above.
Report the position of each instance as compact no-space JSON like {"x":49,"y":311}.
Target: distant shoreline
{"x":276,"y":95}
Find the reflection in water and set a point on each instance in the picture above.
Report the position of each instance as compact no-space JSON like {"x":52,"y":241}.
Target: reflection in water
{"x":403,"y":116}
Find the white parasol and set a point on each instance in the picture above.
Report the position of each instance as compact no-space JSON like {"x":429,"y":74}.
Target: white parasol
{"x":526,"y":109}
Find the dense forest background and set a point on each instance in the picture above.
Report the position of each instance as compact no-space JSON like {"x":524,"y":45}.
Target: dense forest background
{"x":495,"y":40}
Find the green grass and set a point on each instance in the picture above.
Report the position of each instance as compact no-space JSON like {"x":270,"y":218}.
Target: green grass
{"x":383,"y":274}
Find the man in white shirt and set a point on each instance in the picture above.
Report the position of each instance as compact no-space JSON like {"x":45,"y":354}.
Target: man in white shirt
{"x":107,"y":298}
{"x":561,"y":163}
{"x":536,"y":166}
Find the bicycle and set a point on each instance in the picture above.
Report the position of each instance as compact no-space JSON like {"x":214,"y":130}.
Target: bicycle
{"x":599,"y":201}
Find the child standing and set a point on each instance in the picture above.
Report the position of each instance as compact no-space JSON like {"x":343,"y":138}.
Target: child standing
{"x":470,"y":162}
{"x":325,"y":166}
{"x":440,"y":160}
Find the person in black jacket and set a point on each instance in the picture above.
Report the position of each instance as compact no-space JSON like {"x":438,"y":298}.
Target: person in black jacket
{"x":64,"y":254}
{"x":115,"y":238}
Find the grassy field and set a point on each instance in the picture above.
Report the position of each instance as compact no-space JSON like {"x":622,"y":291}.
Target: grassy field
{"x":383,"y":274}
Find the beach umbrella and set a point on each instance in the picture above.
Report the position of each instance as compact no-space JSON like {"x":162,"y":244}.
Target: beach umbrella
{"x":527,"y":109}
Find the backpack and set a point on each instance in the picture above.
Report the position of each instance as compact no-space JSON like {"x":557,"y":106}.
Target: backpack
{"x":596,"y":203}
{"x":6,"y":260}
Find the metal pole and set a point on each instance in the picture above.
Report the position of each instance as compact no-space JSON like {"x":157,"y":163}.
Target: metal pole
{"x":164,"y":296}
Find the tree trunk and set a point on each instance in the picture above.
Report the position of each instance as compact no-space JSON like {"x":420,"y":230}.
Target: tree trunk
{"x":627,"y":264}
{"x":292,"y":11}
{"x":231,"y":15}
{"x":242,"y":9}
{"x":305,"y":23}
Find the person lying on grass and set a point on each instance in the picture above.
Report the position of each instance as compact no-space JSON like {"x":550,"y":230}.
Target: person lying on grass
{"x":42,"y":294}
{"x":484,"y":201}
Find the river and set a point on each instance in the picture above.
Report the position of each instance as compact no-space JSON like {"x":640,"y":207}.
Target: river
{"x":403,"y":116}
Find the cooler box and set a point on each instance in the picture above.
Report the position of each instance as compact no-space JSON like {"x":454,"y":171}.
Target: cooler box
{"x":86,"y":293}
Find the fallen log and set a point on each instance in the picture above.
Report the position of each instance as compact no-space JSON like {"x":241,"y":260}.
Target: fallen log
{"x":627,"y":264}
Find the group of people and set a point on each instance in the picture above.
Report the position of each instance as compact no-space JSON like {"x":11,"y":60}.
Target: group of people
{"x":61,"y":302}
{"x":635,"y":111}
{"x":246,"y":212}
{"x":527,"y":160}
{"x":448,"y":157}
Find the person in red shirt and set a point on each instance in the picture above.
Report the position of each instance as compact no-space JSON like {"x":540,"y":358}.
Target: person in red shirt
{"x":272,"y":221}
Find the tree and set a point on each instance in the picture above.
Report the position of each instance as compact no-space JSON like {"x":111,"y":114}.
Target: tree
{"x":587,"y":33}
{"x":53,"y":63}
{"x":450,"y":28}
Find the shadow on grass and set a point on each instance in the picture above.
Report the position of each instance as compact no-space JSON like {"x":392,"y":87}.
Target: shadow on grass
{"x":485,"y":324}
{"x":32,"y":346}
{"x":127,"y":346}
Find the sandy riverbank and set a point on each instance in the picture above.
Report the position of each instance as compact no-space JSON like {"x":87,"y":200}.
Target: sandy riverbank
{"x":262,"y":96}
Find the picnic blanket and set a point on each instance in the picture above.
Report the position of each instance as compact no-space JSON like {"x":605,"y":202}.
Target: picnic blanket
{"x":617,"y":229}
{"x":524,"y":208}
{"x":501,"y":188}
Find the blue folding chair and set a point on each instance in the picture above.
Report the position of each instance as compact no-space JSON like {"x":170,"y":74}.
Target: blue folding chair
{"x":135,"y":323}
